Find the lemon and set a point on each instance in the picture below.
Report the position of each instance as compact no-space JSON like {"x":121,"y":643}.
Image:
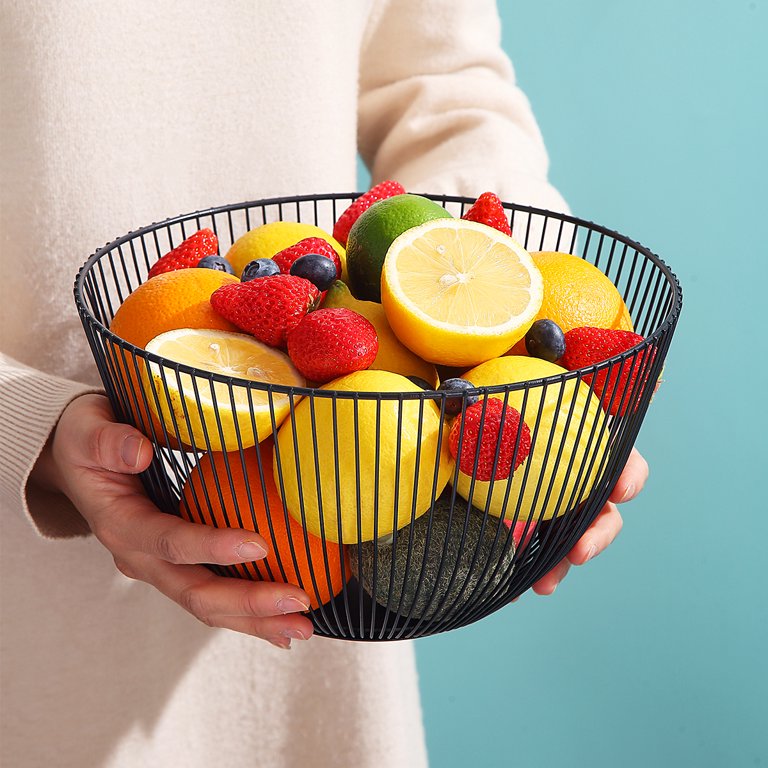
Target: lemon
{"x":565,"y":468}
{"x":378,"y":463}
{"x":211,"y":413}
{"x":459,"y":293}
{"x":392,"y":355}
{"x":373,"y":233}
{"x":264,"y":241}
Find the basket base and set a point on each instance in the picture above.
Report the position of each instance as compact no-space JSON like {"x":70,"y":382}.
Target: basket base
{"x":354,"y":615}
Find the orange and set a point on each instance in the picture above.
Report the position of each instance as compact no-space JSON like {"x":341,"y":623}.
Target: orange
{"x":166,"y":302}
{"x":625,"y":322}
{"x":576,"y":293}
{"x":223,"y":484}
{"x":169,"y":301}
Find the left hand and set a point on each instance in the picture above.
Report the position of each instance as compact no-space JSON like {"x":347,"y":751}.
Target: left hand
{"x":605,"y":527}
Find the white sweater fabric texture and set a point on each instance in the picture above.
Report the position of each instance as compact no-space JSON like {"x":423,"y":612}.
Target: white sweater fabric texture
{"x":115,"y":115}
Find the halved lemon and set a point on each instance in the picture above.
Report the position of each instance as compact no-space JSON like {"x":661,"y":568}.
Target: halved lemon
{"x":222,"y":416}
{"x":459,"y":293}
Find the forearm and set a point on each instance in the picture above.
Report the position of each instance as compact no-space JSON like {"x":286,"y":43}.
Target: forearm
{"x":440,"y":110}
{"x":31,"y":403}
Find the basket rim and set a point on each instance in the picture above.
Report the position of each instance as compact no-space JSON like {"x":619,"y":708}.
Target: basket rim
{"x":667,"y":322}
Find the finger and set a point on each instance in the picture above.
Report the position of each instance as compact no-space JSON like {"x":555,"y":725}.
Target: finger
{"x":632,"y":478}
{"x":547,"y":584}
{"x":95,"y":440}
{"x":598,"y":536}
{"x":133,"y":524}
{"x":279,"y":630}
{"x":220,"y":596}
{"x":261,"y":608}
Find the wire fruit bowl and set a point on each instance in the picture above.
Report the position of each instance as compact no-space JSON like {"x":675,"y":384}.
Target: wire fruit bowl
{"x":357,"y":506}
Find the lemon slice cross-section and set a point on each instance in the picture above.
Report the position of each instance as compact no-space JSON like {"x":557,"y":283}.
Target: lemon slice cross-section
{"x":459,"y":293}
{"x":216,"y":414}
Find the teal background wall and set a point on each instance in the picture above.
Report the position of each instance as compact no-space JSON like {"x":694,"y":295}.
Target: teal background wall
{"x":656,"y":117}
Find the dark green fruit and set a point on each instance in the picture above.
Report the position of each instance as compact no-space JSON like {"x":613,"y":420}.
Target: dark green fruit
{"x":375,"y":230}
{"x":486,"y":537}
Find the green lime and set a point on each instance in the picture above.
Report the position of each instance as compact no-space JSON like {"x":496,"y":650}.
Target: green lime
{"x":373,"y":233}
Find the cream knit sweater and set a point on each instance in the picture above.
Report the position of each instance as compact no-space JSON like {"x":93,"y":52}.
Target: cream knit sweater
{"x":114,"y":115}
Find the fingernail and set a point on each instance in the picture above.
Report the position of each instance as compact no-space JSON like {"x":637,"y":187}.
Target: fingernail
{"x":629,"y":493}
{"x":130,"y":450}
{"x":280,"y":643}
{"x":251,"y":550}
{"x":591,"y":552}
{"x":291,"y":605}
{"x":296,"y":634}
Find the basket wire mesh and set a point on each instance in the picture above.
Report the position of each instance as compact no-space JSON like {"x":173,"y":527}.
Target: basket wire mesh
{"x":448,"y":566}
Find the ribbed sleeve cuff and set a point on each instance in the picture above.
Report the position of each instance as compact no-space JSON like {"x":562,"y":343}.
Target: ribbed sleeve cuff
{"x":31,"y":403}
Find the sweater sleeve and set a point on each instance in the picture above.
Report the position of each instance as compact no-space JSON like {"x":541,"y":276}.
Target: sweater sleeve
{"x":439,"y":108}
{"x":31,"y":403}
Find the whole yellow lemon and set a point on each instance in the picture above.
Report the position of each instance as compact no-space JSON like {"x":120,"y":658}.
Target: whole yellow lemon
{"x":359,"y":468}
{"x":569,"y":437}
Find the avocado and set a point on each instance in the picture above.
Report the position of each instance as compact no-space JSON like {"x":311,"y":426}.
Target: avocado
{"x":436,"y":539}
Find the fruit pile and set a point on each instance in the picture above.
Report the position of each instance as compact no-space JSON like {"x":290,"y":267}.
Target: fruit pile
{"x":401,"y":298}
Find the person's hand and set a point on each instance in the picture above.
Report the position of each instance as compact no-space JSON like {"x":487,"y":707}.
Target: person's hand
{"x":605,"y":527}
{"x":93,"y":460}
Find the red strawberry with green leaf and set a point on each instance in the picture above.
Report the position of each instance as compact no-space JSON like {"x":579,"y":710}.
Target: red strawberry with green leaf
{"x":488,"y":210}
{"x":486,"y":428}
{"x":332,"y":342}
{"x":587,"y":346}
{"x":380,"y":192}
{"x":268,"y":308}
{"x":188,"y":253}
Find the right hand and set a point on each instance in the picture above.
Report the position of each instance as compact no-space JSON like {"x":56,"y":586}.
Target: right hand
{"x":94,"y":461}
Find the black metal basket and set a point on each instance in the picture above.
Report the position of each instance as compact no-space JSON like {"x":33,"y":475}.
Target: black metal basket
{"x":449,"y":565}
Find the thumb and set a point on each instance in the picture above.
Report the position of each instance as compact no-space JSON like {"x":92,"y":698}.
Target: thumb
{"x":89,"y":432}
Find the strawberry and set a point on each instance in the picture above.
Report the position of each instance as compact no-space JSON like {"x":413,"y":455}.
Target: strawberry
{"x":487,"y":415}
{"x":523,"y":527}
{"x":187,"y":253}
{"x":268,"y":308}
{"x":380,"y":192}
{"x":285,"y":258}
{"x":586,"y":346}
{"x":333,"y":342}
{"x":488,"y":210}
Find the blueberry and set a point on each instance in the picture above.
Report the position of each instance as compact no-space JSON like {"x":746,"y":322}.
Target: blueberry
{"x":259,"y":268}
{"x":545,"y":339}
{"x":219,"y":263}
{"x":458,"y":387}
{"x":316,"y":268}
{"x":419,"y":382}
